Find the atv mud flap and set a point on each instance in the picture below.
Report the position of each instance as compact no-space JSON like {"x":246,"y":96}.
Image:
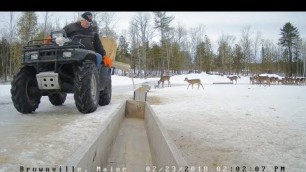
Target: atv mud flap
{"x":47,"y":81}
{"x":103,"y":77}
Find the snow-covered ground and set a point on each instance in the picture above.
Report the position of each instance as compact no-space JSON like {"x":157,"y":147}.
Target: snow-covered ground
{"x":235,"y":125}
{"x":224,"y":125}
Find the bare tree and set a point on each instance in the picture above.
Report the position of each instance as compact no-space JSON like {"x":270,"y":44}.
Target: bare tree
{"x":278,"y":56}
{"x":268,"y":57}
{"x":57,"y":25}
{"x":135,"y":42}
{"x":11,"y":37}
{"x":246,"y":43}
{"x":197,"y":35}
{"x":304,"y":57}
{"x":145,"y":31}
{"x":231,"y":40}
{"x":106,"y":23}
{"x":256,"y":45}
{"x":46,"y":17}
{"x":8,"y":37}
{"x":181,"y":35}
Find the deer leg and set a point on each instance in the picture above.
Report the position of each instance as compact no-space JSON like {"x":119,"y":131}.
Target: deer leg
{"x":202,"y":86}
{"x":192,"y":86}
{"x":188,"y":86}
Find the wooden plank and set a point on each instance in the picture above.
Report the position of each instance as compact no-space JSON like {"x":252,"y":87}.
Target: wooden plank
{"x":222,"y":83}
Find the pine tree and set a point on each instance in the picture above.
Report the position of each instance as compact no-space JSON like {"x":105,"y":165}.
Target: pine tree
{"x":122,"y":52}
{"x":162,"y":22}
{"x":289,"y":39}
{"x":199,"y":58}
{"x":4,"y":54}
{"x":238,"y":55}
{"x":208,"y":55}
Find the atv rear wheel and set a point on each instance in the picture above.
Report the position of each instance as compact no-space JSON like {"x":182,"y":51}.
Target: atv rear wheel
{"x":24,"y":90}
{"x":106,"y":94}
{"x":57,"y":99}
{"x":86,"y":87}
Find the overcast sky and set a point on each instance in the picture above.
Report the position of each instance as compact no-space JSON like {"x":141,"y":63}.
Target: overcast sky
{"x":216,"y":23}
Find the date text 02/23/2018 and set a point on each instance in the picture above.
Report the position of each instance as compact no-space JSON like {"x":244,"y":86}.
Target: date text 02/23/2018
{"x":215,"y":169}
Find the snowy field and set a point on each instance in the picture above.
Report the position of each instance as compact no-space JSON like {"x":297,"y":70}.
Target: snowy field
{"x":235,"y":125}
{"x":222,"y":126}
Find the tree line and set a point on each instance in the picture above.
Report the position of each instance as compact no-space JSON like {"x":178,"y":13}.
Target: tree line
{"x":176,"y":50}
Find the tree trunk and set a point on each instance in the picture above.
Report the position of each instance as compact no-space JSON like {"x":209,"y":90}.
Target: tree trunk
{"x":304,"y":71}
{"x":290,"y":61}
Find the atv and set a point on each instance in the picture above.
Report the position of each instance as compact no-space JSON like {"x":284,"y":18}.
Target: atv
{"x":57,"y":68}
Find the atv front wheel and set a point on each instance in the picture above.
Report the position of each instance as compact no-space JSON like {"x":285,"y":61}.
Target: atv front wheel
{"x":86,"y":88}
{"x":57,"y":99}
{"x":24,"y":90}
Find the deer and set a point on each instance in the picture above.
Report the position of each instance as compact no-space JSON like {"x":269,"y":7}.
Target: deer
{"x":194,"y":81}
{"x":163,"y":79}
{"x":263,"y":80}
{"x":252,"y":79}
{"x":233,"y":78}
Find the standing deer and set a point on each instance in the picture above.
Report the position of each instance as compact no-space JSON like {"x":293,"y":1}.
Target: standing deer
{"x":263,"y":80}
{"x":233,"y":78}
{"x":194,"y":81}
{"x":163,"y":79}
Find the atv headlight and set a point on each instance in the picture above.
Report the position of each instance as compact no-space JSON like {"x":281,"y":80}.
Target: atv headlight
{"x":67,"y":54}
{"x":33,"y":55}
